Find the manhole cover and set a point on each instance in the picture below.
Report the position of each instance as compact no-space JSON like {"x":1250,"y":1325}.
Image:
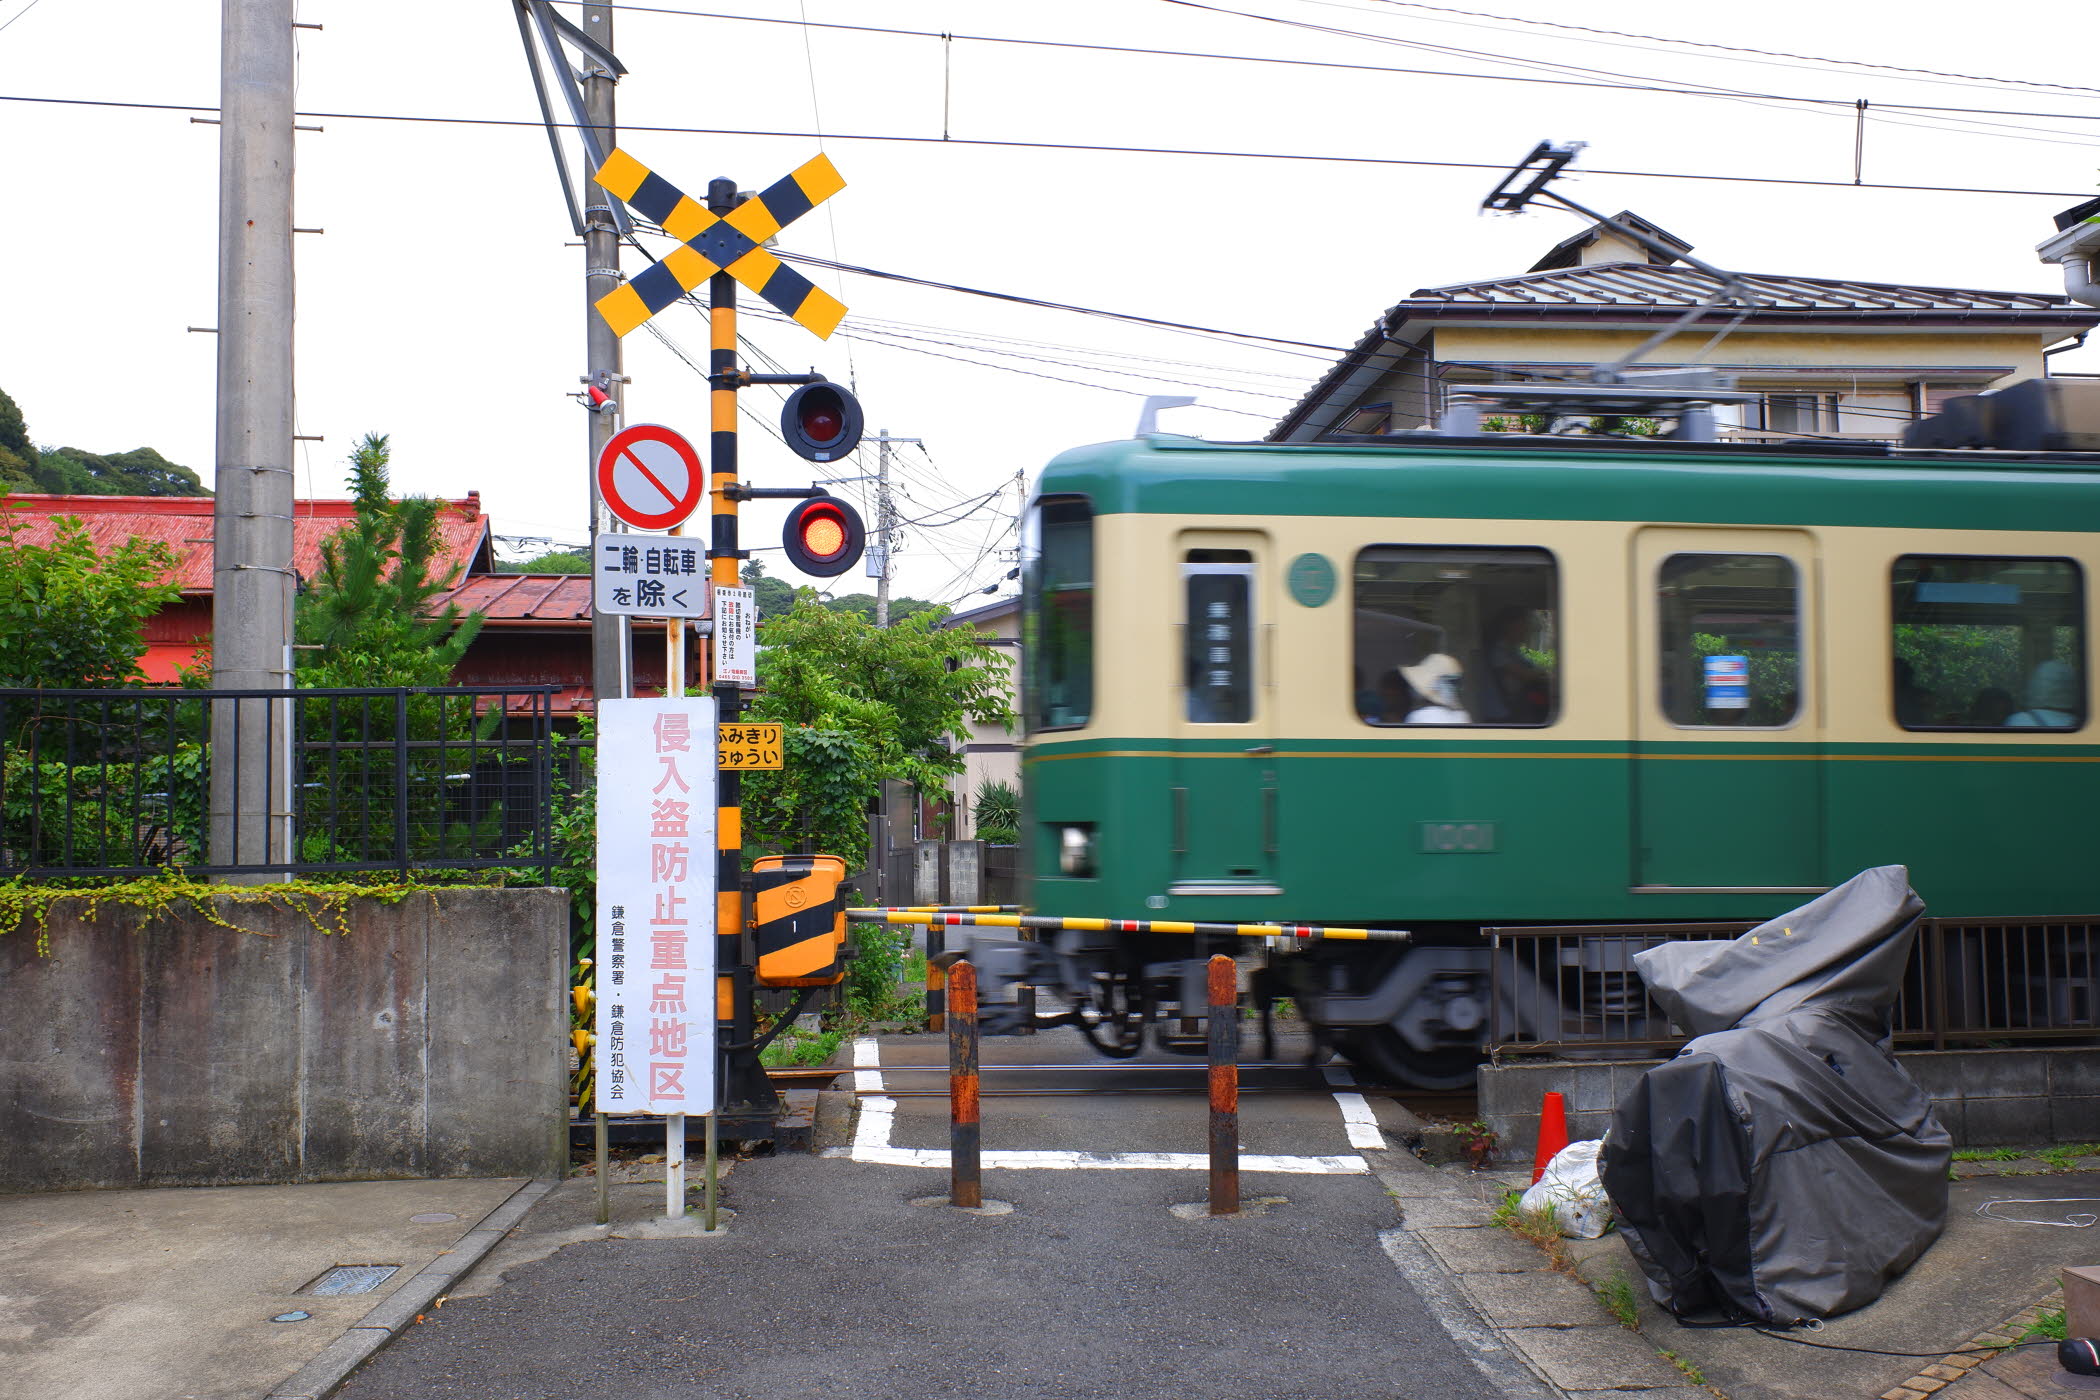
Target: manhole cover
{"x":432,"y":1217}
{"x":292,"y":1317}
{"x":350,"y":1278}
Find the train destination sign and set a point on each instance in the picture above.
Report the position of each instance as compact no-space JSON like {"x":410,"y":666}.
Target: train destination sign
{"x":649,"y":576}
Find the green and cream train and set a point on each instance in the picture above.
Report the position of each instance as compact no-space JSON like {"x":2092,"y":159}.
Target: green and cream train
{"x":1446,"y":684}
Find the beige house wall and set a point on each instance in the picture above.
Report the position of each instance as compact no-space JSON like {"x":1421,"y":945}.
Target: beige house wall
{"x":991,"y":753}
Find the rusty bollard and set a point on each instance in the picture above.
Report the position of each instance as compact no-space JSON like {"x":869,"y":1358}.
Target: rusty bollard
{"x":936,"y":979}
{"x":1224,"y":1086}
{"x":965,"y":1172}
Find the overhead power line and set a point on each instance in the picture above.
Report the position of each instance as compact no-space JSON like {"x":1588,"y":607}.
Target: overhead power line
{"x":1144,"y":52}
{"x":1561,"y":71}
{"x":1498,"y":166}
{"x":1740,"y":49}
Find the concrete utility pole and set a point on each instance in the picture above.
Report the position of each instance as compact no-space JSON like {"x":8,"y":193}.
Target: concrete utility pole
{"x":610,"y":657}
{"x":252,"y":578}
{"x":885,"y":523}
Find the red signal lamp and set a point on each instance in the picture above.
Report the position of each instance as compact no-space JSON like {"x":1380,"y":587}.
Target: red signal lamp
{"x":821,"y":422}
{"x":824,"y":536}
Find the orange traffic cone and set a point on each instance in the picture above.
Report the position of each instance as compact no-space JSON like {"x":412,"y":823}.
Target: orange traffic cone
{"x":1553,"y":1133}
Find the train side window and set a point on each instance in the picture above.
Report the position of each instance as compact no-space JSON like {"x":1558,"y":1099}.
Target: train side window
{"x":1218,"y":640}
{"x":1987,"y":643}
{"x":1058,"y":616}
{"x":1730,"y":638}
{"x":1456,"y":636}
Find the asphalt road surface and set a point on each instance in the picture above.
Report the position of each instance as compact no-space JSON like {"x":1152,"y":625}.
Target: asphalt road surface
{"x":831,"y":1282}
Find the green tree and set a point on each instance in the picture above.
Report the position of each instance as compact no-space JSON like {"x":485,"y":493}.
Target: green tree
{"x":139,"y":472}
{"x":862,"y":705}
{"x":17,"y":455}
{"x":554,"y":561}
{"x":998,"y":812}
{"x":72,"y":616}
{"x":774,"y":595}
{"x":862,"y":606}
{"x":72,"y":471}
{"x":369,"y":611}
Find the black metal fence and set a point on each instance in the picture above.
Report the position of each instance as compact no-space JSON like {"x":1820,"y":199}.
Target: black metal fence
{"x":1969,"y":981}
{"x":128,"y":782}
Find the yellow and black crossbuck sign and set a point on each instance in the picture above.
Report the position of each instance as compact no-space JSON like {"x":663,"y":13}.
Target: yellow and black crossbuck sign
{"x":719,"y":243}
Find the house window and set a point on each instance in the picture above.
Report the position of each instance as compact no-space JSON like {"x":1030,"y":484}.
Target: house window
{"x":1987,"y":643}
{"x":1371,"y":418}
{"x":1799,"y":413}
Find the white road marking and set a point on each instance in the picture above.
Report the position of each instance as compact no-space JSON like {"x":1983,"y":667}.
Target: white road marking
{"x":878,"y":1112}
{"x":1357,"y":1118}
{"x":1102,"y":1161}
{"x":867,"y":1062}
{"x":878,"y":1121}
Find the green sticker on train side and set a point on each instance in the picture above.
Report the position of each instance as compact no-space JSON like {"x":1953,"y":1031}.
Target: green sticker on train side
{"x":1311,"y":579}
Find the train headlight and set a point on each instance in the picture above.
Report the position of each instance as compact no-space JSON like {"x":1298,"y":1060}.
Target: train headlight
{"x":1075,"y":850}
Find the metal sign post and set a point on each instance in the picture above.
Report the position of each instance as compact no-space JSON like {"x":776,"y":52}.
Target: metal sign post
{"x":721,"y":244}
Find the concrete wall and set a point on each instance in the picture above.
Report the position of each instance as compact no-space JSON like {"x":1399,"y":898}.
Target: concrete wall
{"x":428,"y":1041}
{"x":1986,"y":1098}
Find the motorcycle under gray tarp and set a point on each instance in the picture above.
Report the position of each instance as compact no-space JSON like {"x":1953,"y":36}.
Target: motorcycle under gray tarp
{"x":1783,"y":1166}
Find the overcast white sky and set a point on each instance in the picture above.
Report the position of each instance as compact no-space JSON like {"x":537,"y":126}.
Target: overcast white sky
{"x":444,"y":305}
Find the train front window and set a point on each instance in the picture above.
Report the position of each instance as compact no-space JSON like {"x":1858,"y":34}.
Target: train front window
{"x":1058,"y":619}
{"x":1456,"y":636}
{"x":1730,"y":635}
{"x":1987,"y":643}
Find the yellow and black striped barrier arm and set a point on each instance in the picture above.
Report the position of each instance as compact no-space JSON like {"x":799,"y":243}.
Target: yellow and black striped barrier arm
{"x":1304,"y":933}
{"x":711,"y":243}
{"x":953,"y":909}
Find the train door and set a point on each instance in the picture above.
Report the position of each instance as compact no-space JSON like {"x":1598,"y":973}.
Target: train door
{"x":1224,"y":781}
{"x":1727,"y":777}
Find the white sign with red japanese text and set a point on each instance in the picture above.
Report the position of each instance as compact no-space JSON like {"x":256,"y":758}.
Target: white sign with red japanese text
{"x":656,"y":906}
{"x":736,"y":637}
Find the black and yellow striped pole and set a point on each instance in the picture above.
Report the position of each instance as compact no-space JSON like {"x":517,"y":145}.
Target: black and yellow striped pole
{"x":743,"y":1080}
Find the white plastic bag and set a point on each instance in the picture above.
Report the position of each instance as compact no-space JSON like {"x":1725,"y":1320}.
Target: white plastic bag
{"x":1571,"y":1190}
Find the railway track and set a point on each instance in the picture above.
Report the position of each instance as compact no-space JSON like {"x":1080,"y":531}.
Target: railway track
{"x":1123,"y":1079}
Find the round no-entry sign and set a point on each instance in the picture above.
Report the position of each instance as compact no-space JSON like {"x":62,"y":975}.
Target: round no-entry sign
{"x":650,"y":477}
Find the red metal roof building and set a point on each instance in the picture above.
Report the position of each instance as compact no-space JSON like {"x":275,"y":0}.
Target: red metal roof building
{"x":538,"y":627}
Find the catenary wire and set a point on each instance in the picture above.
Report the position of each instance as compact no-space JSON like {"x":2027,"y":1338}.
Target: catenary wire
{"x":1739,"y":49}
{"x":884,"y":138}
{"x":19,"y":13}
{"x":1134,"y":50}
{"x":1747,"y":97}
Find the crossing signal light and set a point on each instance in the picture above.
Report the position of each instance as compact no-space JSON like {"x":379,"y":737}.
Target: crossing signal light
{"x":821,"y":422}
{"x":824,"y":536}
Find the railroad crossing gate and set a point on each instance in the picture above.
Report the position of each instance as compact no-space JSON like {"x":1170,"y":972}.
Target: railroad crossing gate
{"x":714,"y":243}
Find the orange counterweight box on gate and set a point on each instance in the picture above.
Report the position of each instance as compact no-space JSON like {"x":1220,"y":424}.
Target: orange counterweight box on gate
{"x":799,"y":913}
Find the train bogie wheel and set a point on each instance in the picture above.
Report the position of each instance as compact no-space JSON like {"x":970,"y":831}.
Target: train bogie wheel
{"x":1384,"y":1057}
